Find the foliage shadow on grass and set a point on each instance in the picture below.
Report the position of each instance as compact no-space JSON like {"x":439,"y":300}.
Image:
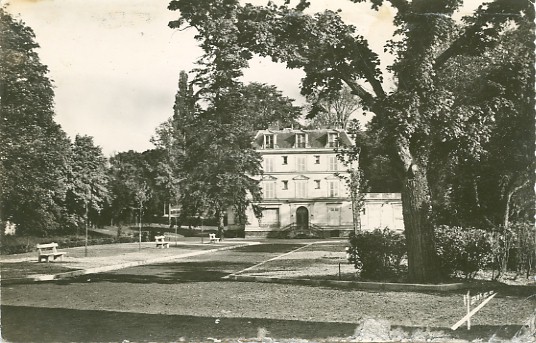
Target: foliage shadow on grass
{"x":167,"y":273}
{"x":270,"y":248}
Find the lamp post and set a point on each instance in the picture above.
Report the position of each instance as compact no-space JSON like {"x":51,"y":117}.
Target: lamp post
{"x":86,"y":225}
{"x":139,"y":225}
{"x":87,"y":216}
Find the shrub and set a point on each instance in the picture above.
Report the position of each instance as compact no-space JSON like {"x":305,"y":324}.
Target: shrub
{"x":523,"y":256}
{"x":19,"y":245}
{"x":515,"y":249}
{"x":463,"y":251}
{"x":378,"y":255}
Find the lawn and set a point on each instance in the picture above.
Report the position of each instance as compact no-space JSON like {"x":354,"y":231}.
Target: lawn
{"x":23,"y":269}
{"x":187,"y":300}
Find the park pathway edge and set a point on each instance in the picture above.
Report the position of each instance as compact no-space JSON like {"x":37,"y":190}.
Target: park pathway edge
{"x":101,"y":269}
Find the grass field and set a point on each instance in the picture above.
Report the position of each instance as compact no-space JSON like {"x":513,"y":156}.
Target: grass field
{"x":187,"y":300}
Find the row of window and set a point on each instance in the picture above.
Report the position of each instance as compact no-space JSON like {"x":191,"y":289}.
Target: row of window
{"x":301,"y":163}
{"x":301,"y":140}
{"x":301,"y":187}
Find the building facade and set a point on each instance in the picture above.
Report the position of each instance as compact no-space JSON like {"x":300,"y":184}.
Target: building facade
{"x":304,"y":191}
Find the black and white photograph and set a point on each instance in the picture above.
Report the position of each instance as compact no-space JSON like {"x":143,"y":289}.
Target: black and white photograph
{"x":272,"y":171}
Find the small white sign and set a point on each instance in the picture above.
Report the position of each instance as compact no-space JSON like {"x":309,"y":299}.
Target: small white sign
{"x":469,"y":300}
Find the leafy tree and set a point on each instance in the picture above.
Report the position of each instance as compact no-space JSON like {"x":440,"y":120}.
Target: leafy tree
{"x":217,"y":160}
{"x":495,"y":186}
{"x":269,"y":107}
{"x":169,"y":139}
{"x":378,"y":164}
{"x":350,"y":158}
{"x":34,"y":149}
{"x":87,"y":180}
{"x":167,"y":168}
{"x":129,"y":186}
{"x":334,"y":110}
{"x":208,"y":177}
{"x":419,"y":117}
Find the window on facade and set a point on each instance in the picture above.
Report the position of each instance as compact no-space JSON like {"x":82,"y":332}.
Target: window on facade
{"x":285,"y":159}
{"x":301,"y":163}
{"x":333,"y":140}
{"x":317,"y":184}
{"x":300,"y":140}
{"x":301,"y":189}
{"x":333,"y":188}
{"x":285,"y":184}
{"x":270,"y":216}
{"x":333,"y":163}
{"x":317,"y":159}
{"x":268,"y":141}
{"x":269,"y":189}
{"x":268,"y":165}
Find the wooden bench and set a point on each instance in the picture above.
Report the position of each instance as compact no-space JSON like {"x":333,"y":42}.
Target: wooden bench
{"x":46,"y":251}
{"x":212,"y":238}
{"x":161,"y":242}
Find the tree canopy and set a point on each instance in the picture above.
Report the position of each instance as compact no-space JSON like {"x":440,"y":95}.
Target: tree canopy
{"x":34,"y":149}
{"x":421,"y":116}
{"x":87,"y":179}
{"x":214,"y":156}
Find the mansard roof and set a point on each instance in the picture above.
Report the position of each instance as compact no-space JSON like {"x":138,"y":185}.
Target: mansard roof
{"x":286,"y":138}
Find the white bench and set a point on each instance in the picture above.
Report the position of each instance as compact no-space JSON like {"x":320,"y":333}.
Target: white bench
{"x":212,"y":238}
{"x":46,"y":251}
{"x":161,"y":242}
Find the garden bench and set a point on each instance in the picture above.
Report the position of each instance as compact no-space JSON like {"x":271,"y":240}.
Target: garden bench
{"x":212,"y":238}
{"x":161,"y":242}
{"x":46,"y":251}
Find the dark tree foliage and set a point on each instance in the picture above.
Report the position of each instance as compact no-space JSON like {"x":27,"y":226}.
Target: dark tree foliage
{"x":267,"y":107}
{"x":87,"y":182}
{"x":129,"y":186}
{"x":215,"y":158}
{"x":421,"y":116}
{"x":34,"y":149}
{"x":480,"y":186}
{"x":154,"y":206}
{"x":378,"y":164}
{"x":332,"y":111}
{"x":209,"y":159}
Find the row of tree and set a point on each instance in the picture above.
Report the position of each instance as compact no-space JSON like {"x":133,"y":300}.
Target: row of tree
{"x":456,"y":136}
{"x":44,"y":177}
{"x":203,"y":159}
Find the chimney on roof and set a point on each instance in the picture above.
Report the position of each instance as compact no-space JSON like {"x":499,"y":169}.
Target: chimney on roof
{"x":338,"y":125}
{"x":274,"y":125}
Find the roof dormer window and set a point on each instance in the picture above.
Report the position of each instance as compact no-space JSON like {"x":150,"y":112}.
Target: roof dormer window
{"x":301,"y":140}
{"x":269,"y":141}
{"x":333,"y":140}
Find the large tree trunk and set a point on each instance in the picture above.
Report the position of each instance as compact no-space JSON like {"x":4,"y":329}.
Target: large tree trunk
{"x":419,"y":229}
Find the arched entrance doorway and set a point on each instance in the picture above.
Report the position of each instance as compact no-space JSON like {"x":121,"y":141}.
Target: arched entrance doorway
{"x":302,"y":218}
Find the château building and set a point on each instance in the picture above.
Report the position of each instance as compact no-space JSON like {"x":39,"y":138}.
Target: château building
{"x":304,"y":191}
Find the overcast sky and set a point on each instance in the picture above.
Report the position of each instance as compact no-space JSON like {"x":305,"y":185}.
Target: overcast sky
{"x":115,"y":63}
